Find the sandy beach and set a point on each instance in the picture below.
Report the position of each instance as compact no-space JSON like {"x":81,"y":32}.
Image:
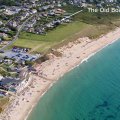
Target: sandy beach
{"x":50,"y":71}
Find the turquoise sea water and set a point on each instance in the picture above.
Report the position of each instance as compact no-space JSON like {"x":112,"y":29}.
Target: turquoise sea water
{"x":89,"y":92}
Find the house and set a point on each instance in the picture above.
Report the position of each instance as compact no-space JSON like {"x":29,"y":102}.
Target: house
{"x":64,"y":3}
{"x":44,"y":14}
{"x":34,"y":11}
{"x":33,"y":1}
{"x":99,"y":5}
{"x":7,"y":61}
{"x":3,"y":35}
{"x":45,"y":7}
{"x":9,"y":82}
{"x":1,"y":23}
{"x":51,"y":13}
{"x":59,"y":11}
{"x":59,"y":5}
{"x":1,"y":77}
{"x":50,"y":25}
{"x":52,"y":6}
{"x":24,"y":16}
{"x":31,"y":30}
{"x":40,"y":30}
{"x":5,"y":29}
{"x":14,"y":24}
{"x":0,"y":40}
{"x":56,"y":22}
{"x":84,"y":5}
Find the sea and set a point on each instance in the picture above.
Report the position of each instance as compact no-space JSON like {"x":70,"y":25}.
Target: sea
{"x":91,"y":91}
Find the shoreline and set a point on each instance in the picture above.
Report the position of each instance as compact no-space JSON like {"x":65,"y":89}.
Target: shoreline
{"x":53,"y":69}
{"x":84,"y":60}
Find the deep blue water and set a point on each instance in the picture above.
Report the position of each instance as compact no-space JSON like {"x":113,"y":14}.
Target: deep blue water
{"x":89,"y":92}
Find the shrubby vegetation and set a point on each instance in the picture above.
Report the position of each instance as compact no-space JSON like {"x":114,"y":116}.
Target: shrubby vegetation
{"x":7,"y":2}
{"x":3,"y":102}
{"x":4,"y":73}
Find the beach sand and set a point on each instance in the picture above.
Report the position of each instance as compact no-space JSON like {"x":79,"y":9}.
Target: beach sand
{"x":50,"y":71}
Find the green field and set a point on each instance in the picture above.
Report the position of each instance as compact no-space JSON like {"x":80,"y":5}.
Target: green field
{"x":84,"y":24}
{"x":42,"y":43}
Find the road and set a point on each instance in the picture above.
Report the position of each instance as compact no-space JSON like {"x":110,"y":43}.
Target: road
{"x":75,"y":13}
{"x":16,"y":36}
{"x":72,"y":14}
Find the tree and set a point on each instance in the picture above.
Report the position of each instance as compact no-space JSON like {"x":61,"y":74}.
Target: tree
{"x":7,"y":2}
